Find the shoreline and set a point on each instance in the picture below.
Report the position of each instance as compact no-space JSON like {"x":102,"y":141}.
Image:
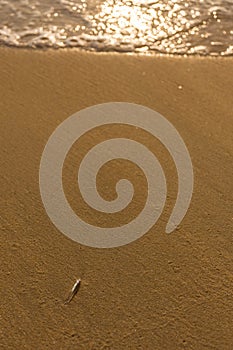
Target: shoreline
{"x":124,"y":53}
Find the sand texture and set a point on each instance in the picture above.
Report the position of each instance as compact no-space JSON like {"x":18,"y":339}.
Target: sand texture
{"x":162,"y":291}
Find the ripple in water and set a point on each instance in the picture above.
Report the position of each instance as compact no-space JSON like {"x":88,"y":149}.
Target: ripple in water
{"x":202,"y":27}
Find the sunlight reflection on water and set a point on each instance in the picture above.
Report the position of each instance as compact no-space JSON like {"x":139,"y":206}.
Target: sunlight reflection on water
{"x":171,"y":26}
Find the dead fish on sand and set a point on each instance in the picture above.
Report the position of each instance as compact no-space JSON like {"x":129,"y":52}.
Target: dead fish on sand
{"x":74,"y":291}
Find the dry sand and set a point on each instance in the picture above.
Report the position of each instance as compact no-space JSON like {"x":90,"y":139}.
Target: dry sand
{"x":162,"y":291}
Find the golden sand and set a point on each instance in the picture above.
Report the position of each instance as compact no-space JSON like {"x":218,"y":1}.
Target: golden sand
{"x":160,"y":292}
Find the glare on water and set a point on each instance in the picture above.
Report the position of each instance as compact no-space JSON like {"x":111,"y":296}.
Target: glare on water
{"x":169,"y":26}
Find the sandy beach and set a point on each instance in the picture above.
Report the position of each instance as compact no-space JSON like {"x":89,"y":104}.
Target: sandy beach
{"x":162,"y":291}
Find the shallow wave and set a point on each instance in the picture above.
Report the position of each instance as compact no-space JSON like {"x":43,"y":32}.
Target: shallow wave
{"x":201,"y":27}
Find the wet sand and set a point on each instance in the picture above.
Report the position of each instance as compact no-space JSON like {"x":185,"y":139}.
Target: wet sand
{"x":160,"y":292}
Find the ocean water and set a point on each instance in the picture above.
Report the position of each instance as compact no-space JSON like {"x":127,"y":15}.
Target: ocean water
{"x":183,"y":27}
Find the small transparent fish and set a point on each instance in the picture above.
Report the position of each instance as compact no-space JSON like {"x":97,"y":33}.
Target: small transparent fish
{"x":74,"y":291}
